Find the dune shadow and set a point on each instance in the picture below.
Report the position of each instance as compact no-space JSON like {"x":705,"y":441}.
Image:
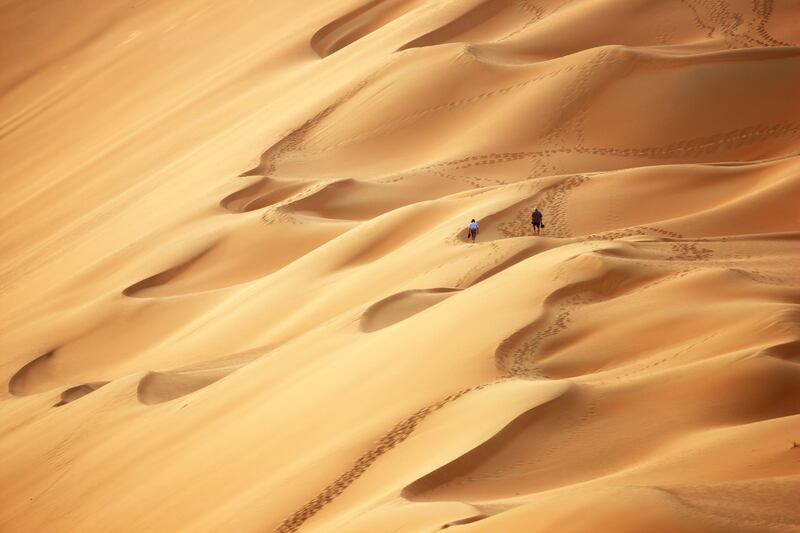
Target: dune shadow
{"x":357,"y":24}
{"x":263,"y":193}
{"x":400,"y":306}
{"x":25,"y":380}
{"x":76,"y":393}
{"x":162,"y":278}
{"x":160,"y":387}
{"x":454,"y":30}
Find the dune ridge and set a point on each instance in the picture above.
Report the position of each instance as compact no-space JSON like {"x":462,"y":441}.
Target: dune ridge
{"x":238,"y":292}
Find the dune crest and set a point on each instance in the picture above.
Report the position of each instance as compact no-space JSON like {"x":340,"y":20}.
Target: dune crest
{"x":237,"y":287}
{"x":79,"y":391}
{"x":160,"y":387}
{"x":25,"y":380}
{"x":400,"y":306}
{"x":358,"y":23}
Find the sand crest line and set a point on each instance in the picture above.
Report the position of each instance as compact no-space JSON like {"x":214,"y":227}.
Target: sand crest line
{"x":399,"y":433}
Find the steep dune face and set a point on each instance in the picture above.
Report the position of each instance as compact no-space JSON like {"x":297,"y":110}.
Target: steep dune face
{"x":238,"y":293}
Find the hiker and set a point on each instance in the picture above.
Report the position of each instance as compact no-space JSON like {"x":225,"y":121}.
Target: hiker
{"x":536,"y":220}
{"x":473,"y":230}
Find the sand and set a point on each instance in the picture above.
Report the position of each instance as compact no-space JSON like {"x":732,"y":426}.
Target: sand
{"x":237,"y":292}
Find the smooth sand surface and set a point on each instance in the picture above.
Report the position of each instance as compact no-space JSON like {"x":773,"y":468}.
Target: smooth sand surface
{"x":237,"y":292}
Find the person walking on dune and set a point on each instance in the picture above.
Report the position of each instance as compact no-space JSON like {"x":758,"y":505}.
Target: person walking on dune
{"x":536,"y":220}
{"x":473,"y":230}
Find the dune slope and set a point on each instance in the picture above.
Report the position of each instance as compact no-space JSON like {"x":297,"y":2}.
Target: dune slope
{"x":237,"y":292}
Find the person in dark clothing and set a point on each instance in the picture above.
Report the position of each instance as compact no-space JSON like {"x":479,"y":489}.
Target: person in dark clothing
{"x":536,"y":220}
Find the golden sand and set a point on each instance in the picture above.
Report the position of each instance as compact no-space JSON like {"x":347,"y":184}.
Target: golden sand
{"x":237,"y":292}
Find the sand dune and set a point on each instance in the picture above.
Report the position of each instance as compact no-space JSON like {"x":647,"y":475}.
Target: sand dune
{"x":401,"y":306}
{"x":237,"y":292}
{"x":78,"y":392}
{"x":158,"y":387}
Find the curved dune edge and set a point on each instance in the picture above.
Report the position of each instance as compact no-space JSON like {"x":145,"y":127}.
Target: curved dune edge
{"x":357,"y":24}
{"x":24,"y":380}
{"x":659,"y":507}
{"x":263,"y":193}
{"x":76,"y":393}
{"x":261,"y":247}
{"x":454,"y":31}
{"x":473,"y":456}
{"x":659,"y":307}
{"x":400,"y":306}
{"x":748,"y":192}
{"x":163,"y":278}
{"x":542,"y":395}
{"x":159,"y":387}
{"x":464,"y":521}
{"x":525,"y":459}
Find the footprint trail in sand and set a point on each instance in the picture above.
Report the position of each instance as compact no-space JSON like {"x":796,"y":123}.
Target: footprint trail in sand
{"x":247,"y":302}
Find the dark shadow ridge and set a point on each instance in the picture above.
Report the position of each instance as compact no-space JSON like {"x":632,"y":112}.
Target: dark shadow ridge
{"x":464,"y":521}
{"x":261,"y":194}
{"x":160,"y":387}
{"x":402,"y":305}
{"x":21,"y":383}
{"x":357,"y":24}
{"x":166,"y":276}
{"x":76,"y":393}
{"x":451,"y":31}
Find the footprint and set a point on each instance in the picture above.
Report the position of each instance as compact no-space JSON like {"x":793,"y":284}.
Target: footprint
{"x":516,"y":449}
{"x":399,"y":433}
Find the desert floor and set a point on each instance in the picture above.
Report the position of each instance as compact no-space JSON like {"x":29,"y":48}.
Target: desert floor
{"x":237,"y":294}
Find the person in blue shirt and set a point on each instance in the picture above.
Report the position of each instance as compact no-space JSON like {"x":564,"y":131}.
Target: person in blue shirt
{"x":473,"y":230}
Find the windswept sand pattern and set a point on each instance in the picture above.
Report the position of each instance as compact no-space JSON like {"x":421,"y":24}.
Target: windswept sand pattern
{"x":315,"y":344}
{"x":27,"y":379}
{"x":261,"y":194}
{"x":576,"y":99}
{"x":159,"y":387}
{"x":406,"y":120}
{"x":357,"y":24}
{"x":666,"y":361}
{"x":386,"y":443}
{"x":402,"y":305}
{"x":277,"y":212}
{"x":295,"y":140}
{"x":76,"y":393}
